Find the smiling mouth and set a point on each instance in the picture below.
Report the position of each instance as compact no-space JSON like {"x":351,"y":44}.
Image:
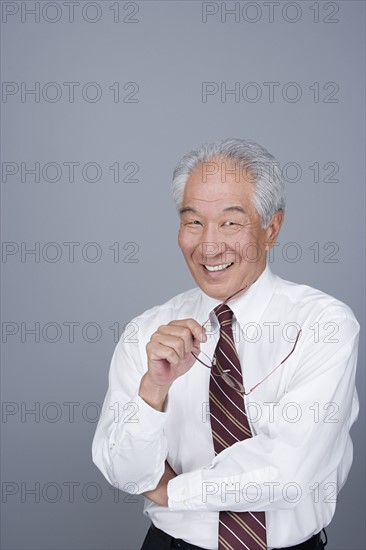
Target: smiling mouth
{"x":219,"y":267}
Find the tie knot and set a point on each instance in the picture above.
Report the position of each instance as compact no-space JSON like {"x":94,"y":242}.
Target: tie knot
{"x":224,"y":315}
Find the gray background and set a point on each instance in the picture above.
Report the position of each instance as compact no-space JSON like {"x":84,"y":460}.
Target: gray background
{"x":169,"y":51}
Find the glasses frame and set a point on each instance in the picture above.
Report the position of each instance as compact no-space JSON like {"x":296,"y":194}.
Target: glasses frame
{"x":228,"y":378}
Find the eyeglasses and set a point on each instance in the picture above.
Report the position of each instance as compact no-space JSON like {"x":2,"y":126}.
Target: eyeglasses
{"x":228,"y":378}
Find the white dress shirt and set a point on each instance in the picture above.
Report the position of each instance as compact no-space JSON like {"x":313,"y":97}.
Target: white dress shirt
{"x":300,"y":416}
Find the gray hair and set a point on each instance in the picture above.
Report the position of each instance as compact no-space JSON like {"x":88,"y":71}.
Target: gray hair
{"x":269,"y":192}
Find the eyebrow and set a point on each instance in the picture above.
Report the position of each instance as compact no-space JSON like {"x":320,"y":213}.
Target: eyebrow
{"x":235,"y":209}
{"x":187,"y":209}
{"x":229,"y":209}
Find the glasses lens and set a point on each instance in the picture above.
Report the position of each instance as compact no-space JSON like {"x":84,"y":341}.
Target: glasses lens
{"x":203,"y":359}
{"x":230,"y":381}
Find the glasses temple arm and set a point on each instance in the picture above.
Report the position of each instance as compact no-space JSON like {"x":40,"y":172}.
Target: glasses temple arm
{"x":283,"y":360}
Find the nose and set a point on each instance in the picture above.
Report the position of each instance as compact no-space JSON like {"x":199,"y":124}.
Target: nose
{"x":212,"y":243}
{"x":211,"y":233}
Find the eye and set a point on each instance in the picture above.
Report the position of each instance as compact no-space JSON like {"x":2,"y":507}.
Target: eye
{"x":229,"y":227}
{"x":194,"y":222}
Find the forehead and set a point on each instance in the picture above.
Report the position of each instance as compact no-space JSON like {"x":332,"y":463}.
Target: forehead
{"x":219,"y":180}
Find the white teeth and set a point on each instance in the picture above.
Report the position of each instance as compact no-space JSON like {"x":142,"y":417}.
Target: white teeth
{"x":217,"y":267}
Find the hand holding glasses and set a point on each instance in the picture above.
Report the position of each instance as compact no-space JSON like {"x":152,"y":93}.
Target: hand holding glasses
{"x":228,"y":378}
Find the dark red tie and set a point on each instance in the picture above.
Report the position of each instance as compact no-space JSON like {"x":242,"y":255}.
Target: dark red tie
{"x":229,"y":424}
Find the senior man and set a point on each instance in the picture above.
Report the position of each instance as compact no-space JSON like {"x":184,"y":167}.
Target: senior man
{"x":230,"y":409}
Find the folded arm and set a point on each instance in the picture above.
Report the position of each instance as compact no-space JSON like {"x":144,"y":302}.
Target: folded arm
{"x":305,"y":440}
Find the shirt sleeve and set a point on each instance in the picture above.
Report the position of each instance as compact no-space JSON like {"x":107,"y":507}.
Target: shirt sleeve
{"x":304,"y":441}
{"x":129,"y":445}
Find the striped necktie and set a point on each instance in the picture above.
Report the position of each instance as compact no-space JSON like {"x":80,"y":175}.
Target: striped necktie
{"x":229,"y":424}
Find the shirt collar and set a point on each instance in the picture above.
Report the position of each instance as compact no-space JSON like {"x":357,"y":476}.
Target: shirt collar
{"x":248,"y":307}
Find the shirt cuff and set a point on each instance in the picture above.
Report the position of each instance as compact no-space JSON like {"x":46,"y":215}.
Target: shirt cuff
{"x":146,"y":423}
{"x":185,"y":492}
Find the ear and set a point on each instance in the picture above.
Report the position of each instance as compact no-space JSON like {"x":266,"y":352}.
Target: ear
{"x":273,"y":229}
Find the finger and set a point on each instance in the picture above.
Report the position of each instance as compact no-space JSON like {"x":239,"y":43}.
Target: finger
{"x":198,"y":331}
{"x":157,"y":351}
{"x":184,"y":333}
{"x":174,"y":342}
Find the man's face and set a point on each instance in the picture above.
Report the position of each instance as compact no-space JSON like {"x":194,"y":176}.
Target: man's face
{"x":220,"y":234}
